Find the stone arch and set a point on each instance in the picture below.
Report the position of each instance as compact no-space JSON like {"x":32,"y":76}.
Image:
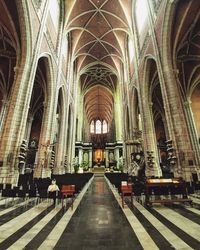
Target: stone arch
{"x":181,"y":72}
{"x":40,"y":126}
{"x":50,"y":73}
{"x":146,"y":93}
{"x":148,"y":86}
{"x":60,"y":134}
{"x":174,"y":54}
{"x":158,"y":114}
{"x":135,"y":110}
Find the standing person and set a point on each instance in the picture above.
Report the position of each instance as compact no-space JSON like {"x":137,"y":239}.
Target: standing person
{"x":52,"y":190}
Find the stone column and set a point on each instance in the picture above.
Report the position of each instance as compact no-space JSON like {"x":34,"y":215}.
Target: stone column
{"x":117,"y":156}
{"x":179,"y":129}
{"x":12,"y":136}
{"x":149,"y":137}
{"x":5,"y":104}
{"x":90,"y":158}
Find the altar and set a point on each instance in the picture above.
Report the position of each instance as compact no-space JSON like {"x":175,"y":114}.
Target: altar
{"x":98,"y":169}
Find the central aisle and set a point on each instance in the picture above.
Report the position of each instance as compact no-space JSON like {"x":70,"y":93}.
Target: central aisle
{"x":98,"y":223}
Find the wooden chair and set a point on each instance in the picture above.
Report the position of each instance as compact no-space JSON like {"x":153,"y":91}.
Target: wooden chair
{"x":126,"y":190}
{"x":68,"y":191}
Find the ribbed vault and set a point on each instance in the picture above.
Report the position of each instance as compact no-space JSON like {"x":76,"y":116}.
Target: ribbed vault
{"x":98,"y":31}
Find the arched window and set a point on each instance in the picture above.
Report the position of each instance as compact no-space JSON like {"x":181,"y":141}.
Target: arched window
{"x":105,"y":127}
{"x":141,"y":12}
{"x":139,"y":122}
{"x":92,"y":127}
{"x":98,"y":127}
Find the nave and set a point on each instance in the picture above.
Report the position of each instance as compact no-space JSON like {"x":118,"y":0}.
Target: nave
{"x":97,"y":221}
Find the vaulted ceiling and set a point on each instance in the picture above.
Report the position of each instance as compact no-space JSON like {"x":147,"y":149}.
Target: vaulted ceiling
{"x":98,"y":30}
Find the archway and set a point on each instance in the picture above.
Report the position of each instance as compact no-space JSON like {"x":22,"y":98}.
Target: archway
{"x":59,"y":161}
{"x":159,"y":119}
{"x":152,"y":108}
{"x":35,"y":120}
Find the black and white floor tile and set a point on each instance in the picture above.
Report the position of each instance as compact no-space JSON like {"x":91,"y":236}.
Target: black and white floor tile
{"x":96,"y":222}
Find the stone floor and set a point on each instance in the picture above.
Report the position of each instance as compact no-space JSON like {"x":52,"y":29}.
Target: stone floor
{"x":97,"y":222}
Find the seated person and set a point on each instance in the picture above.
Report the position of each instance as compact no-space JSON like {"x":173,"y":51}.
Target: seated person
{"x":52,"y":190}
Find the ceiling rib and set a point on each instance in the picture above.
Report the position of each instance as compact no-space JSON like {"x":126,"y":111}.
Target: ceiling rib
{"x":99,"y":31}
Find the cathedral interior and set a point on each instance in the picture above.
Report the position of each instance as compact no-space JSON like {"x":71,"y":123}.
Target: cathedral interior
{"x":104,"y":97}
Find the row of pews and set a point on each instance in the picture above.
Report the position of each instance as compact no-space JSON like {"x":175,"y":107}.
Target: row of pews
{"x":69,"y":184}
{"x":154,"y":190}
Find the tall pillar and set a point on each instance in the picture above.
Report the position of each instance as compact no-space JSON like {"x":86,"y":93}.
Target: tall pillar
{"x":180,"y":116}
